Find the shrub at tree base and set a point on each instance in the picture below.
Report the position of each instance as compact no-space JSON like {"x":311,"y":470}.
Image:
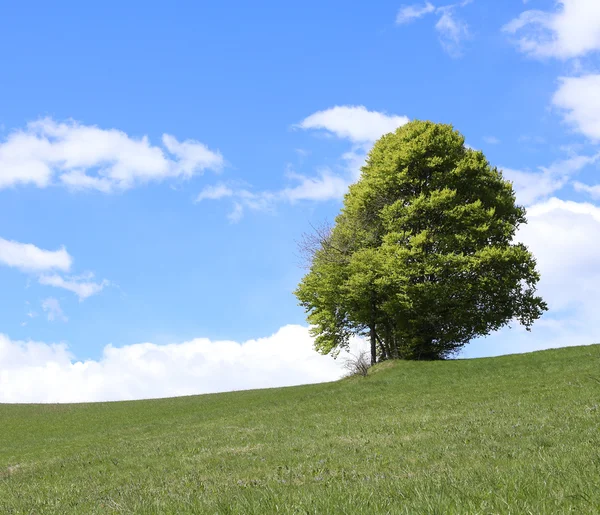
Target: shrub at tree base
{"x":421,"y":257}
{"x":357,"y":364}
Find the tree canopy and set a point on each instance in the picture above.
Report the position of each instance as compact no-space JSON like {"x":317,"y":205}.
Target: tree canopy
{"x":421,"y":257}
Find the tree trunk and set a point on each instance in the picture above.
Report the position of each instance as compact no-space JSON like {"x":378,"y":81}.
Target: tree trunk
{"x":392,"y":344}
{"x":385,"y":351}
{"x":373,"y":336}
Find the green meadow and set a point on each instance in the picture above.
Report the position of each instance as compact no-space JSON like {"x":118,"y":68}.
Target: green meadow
{"x":513,"y":434}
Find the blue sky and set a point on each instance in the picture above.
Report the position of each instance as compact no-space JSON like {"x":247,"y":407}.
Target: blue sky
{"x":159,"y":162}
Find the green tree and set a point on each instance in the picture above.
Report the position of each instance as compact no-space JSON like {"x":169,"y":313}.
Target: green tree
{"x":421,"y":257}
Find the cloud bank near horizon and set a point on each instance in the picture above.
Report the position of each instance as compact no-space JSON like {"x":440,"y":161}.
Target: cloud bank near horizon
{"x":563,"y":236}
{"x":48,"y":373}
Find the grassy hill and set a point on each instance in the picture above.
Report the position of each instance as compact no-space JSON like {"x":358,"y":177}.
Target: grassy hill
{"x":514,"y":434}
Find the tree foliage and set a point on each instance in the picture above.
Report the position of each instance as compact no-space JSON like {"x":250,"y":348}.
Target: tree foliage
{"x":421,"y":257}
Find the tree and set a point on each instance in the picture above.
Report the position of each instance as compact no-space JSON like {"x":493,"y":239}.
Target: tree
{"x":421,"y":257}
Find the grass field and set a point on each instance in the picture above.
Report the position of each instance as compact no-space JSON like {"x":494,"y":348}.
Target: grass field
{"x":515,"y":434}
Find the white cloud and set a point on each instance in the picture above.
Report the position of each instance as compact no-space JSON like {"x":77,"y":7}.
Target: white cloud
{"x":579,"y":98}
{"x":29,"y":258}
{"x":571,"y":30}
{"x":531,"y":187}
{"x":82,"y":286}
{"x":326,"y":186}
{"x":88,"y":157}
{"x":564,"y":236}
{"x":51,"y":307}
{"x":40,"y":372}
{"x":408,"y":13}
{"x":78,"y":180}
{"x":355,"y":123}
{"x":192,"y":156}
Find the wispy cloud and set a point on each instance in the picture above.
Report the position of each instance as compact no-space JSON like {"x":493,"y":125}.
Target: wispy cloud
{"x":322,"y":187}
{"x":592,"y":191}
{"x":532,"y":187}
{"x":83,"y":286}
{"x":408,"y":13}
{"x":214,"y":192}
{"x":491,"y":140}
{"x":452,"y":30}
{"x":53,"y":310}
{"x":355,"y":124}
{"x":46,"y":265}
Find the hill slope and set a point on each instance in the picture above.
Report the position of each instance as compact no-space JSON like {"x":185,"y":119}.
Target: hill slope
{"x":518,"y":434}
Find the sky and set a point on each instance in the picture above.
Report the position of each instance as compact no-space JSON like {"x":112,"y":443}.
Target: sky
{"x":159,"y":163}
